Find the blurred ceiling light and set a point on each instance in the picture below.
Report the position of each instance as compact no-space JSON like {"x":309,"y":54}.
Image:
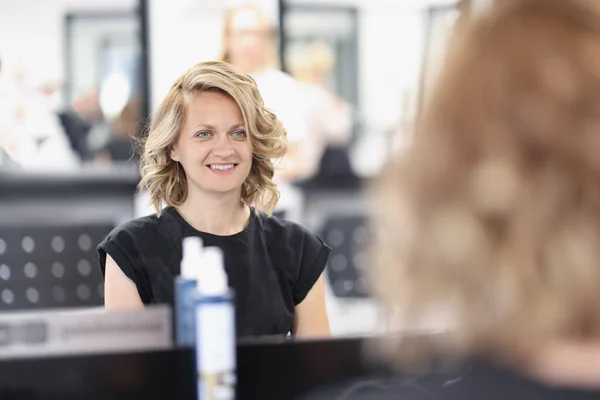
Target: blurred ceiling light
{"x":114,"y":95}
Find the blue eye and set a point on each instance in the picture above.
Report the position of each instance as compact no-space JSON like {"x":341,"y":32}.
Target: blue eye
{"x":202,"y":134}
{"x":239,"y":134}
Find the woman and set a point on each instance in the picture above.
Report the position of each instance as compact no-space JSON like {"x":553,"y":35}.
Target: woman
{"x":492,"y":217}
{"x":329,"y":116}
{"x":208,"y":157}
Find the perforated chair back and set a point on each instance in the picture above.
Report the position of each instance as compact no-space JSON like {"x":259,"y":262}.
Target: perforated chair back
{"x":349,"y":238}
{"x":50,"y":266}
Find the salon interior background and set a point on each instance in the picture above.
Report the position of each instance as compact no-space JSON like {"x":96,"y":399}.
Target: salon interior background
{"x":78,"y":77}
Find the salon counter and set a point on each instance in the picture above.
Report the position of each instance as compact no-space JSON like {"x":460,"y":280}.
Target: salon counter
{"x":91,"y":178}
{"x":89,"y":194}
{"x":286,"y":370}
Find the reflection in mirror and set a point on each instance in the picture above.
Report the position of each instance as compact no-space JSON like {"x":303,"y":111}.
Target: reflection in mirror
{"x":321,"y":54}
{"x":103,"y":86}
{"x":69,"y":126}
{"x":347,"y":51}
{"x":70,"y":92}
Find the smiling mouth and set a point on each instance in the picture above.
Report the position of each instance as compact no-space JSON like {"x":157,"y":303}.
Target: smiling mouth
{"x":222,"y":167}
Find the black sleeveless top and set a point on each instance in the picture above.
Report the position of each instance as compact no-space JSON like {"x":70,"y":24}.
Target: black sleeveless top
{"x":272,"y":264}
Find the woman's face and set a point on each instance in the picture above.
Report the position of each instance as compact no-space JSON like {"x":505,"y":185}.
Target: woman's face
{"x":247,"y":40}
{"x":213,"y":146}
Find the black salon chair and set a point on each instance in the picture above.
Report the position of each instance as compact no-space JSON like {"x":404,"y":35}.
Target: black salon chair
{"x":50,"y":266}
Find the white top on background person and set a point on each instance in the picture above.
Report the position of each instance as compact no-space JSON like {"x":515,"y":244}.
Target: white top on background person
{"x":249,"y":42}
{"x":30,"y":130}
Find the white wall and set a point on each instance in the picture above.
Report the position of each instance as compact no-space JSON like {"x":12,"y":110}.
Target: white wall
{"x":32,"y":32}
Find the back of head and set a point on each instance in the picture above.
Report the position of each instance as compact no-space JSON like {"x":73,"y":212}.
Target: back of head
{"x":492,"y":216}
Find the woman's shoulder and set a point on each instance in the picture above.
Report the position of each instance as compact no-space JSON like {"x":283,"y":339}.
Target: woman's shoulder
{"x":296,"y":238}
{"x":142,"y":242}
{"x":139,"y":226}
{"x":300,"y":253}
{"x":147,"y":229}
{"x":281,"y":228}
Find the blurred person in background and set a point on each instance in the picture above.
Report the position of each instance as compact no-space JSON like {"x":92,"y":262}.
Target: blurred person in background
{"x":30,"y":130}
{"x":113,"y":119}
{"x":328,"y":115}
{"x":249,"y":42}
{"x":490,"y":221}
{"x":87,"y":106}
{"x":208,"y":158}
{"x":119,"y":147}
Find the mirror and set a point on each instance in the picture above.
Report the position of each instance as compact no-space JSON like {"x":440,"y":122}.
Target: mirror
{"x":103,"y":85}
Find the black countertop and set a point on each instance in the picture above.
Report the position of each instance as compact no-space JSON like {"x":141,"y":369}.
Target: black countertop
{"x":288,"y":370}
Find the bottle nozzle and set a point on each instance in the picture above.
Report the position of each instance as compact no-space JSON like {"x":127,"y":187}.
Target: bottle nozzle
{"x":192,"y":257}
{"x":212,"y":279}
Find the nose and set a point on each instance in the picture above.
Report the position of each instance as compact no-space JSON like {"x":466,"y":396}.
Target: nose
{"x":223,"y":147}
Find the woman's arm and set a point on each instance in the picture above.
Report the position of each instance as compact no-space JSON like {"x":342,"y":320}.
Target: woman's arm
{"x":311,"y":318}
{"x":120,"y":293}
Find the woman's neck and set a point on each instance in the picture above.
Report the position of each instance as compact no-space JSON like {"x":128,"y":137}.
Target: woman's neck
{"x":222,"y":215}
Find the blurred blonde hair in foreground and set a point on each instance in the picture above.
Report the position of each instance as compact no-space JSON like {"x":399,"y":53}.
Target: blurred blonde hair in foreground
{"x":492,"y":217}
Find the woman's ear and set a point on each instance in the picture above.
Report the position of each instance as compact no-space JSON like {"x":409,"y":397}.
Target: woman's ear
{"x":174,"y":154}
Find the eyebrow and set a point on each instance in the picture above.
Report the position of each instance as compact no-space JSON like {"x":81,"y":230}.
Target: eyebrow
{"x":213,"y":128}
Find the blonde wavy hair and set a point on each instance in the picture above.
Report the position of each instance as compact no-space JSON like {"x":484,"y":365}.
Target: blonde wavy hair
{"x":165,"y":179}
{"x":491,"y":219}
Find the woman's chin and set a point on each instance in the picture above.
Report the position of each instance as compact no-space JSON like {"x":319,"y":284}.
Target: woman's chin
{"x":224,"y":190}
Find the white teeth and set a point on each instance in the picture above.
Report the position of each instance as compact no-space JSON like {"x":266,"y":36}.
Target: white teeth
{"x":221,"y":167}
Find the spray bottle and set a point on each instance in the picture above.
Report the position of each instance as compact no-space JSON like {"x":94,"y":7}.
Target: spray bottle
{"x":215,"y":334}
{"x":185,"y":292}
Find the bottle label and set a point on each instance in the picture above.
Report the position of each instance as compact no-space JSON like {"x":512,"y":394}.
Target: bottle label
{"x":185,"y":297}
{"x":215,"y":350}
